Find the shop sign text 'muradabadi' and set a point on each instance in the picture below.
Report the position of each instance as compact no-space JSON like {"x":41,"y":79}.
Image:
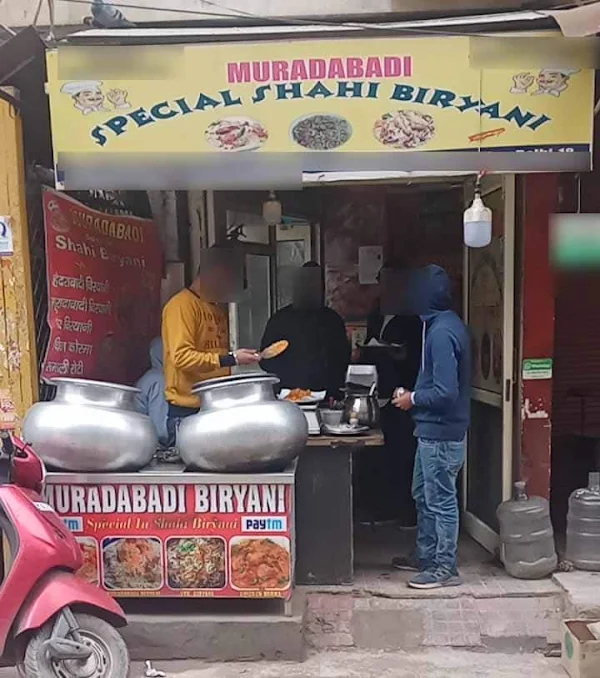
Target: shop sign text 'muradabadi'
{"x":369,"y":95}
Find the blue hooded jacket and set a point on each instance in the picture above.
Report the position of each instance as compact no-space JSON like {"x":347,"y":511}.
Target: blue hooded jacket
{"x":151,"y":401}
{"x":442,"y":392}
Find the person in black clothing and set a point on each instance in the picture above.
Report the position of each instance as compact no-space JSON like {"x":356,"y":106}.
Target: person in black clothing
{"x":319,"y":350}
{"x":389,"y":475}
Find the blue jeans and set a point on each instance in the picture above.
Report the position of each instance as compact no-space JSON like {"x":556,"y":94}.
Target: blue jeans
{"x":437,"y":465}
{"x":174,"y":417}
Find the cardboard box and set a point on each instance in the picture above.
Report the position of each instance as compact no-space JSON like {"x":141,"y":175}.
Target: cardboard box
{"x":580,"y":649}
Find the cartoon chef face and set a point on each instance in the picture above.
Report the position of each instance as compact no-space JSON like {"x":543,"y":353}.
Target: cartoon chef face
{"x":87,"y":95}
{"x":553,"y":82}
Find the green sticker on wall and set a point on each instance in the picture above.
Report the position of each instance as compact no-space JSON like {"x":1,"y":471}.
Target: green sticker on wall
{"x":537,"y":368}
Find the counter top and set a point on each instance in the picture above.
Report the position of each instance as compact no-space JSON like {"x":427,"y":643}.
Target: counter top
{"x":162,"y":473}
{"x":373,"y":438}
{"x":175,"y":474}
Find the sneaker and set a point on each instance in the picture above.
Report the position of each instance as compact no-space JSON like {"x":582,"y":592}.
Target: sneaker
{"x":406,"y":563}
{"x":434,"y":580}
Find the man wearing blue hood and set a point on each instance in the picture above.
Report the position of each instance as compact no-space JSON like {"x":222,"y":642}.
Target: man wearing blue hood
{"x":440,"y":405}
{"x":151,"y":401}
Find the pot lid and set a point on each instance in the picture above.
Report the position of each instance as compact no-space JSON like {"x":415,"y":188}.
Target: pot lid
{"x":89,"y":382}
{"x":249,"y":377}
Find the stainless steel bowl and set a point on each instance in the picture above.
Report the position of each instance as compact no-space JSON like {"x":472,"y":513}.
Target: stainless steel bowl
{"x":331,"y":417}
{"x":90,"y":426}
{"x":241,"y":427}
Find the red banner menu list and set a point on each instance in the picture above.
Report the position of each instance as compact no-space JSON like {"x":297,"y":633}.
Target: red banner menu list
{"x":104,"y":274}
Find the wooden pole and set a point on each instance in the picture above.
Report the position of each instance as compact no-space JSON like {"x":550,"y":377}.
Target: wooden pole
{"x":18,"y":360}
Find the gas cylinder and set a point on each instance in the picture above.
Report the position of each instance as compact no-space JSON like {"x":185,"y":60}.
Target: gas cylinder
{"x":526,"y":536}
{"x":583,"y":526}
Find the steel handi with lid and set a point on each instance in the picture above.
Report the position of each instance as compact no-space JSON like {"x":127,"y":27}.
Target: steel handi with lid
{"x":91,"y":426}
{"x":241,"y":427}
{"x":526,"y":536}
{"x":583,"y":526}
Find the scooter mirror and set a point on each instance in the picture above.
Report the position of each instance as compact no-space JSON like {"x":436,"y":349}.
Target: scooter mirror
{"x":8,"y":447}
{"x":7,"y":451}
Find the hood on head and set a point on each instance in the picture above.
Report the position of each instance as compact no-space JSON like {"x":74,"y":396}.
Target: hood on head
{"x":156,"y":353}
{"x":433,"y":290}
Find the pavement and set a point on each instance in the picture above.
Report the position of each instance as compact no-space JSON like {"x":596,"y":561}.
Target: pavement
{"x":440,"y":663}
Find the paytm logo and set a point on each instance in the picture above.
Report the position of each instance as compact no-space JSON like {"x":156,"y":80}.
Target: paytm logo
{"x":74,"y":524}
{"x":251,"y":524}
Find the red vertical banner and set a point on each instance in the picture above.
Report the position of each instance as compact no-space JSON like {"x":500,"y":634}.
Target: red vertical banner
{"x":104,"y":275}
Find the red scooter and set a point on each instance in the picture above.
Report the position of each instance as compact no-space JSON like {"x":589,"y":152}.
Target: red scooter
{"x":52,"y":624}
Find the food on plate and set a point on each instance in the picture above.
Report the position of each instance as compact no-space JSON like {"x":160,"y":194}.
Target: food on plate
{"x":260,"y":564}
{"x":298,"y":394}
{"x":404,"y":129}
{"x":196,"y":563}
{"x":89,"y":570}
{"x":321,"y":132}
{"x":275,"y":349}
{"x":132,"y":563}
{"x":236,"y":134}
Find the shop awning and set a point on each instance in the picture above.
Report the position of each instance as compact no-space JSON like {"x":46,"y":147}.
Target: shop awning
{"x":249,"y":114}
{"x":500,"y":21}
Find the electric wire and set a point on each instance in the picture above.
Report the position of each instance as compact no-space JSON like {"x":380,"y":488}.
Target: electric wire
{"x":238,"y":13}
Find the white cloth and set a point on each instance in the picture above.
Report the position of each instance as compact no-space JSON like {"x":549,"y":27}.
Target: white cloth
{"x":578,"y":22}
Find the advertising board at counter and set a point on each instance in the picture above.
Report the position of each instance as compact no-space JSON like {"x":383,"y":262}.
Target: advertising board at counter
{"x":221,"y":540}
{"x":104,"y":274}
{"x":355,"y":95}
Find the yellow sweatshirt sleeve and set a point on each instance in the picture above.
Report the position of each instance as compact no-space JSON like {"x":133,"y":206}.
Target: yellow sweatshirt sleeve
{"x":181,"y":330}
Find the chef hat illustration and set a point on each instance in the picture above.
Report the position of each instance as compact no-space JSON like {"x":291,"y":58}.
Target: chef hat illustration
{"x":76,"y":88}
{"x":563,"y":71}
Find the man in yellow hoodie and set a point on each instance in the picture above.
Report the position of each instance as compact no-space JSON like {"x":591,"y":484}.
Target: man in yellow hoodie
{"x":195,"y":336}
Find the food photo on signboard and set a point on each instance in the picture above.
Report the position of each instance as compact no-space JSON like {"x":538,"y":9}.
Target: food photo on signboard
{"x":198,"y":535}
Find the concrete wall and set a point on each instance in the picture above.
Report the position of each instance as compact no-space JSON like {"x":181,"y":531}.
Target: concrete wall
{"x":21,"y":12}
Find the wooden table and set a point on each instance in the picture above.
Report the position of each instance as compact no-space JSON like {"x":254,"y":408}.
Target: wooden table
{"x":324,"y":508}
{"x":371,"y":439}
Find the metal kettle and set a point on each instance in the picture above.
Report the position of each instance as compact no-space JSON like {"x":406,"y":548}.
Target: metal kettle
{"x":362,"y":408}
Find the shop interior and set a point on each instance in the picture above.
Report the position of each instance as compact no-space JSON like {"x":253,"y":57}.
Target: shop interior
{"x":414,"y":223}
{"x":410,"y":223}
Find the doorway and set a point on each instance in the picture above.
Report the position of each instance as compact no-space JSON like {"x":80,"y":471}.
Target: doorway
{"x":418,"y":222}
{"x":489,"y":297}
{"x":271,"y":253}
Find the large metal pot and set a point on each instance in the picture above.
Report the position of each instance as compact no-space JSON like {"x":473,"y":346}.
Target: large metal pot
{"x":91,"y":426}
{"x":241,"y":427}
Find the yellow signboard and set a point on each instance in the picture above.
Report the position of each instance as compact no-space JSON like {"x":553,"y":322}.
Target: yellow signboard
{"x":358,"y":95}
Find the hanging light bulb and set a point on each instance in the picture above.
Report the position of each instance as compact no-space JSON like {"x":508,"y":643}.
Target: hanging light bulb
{"x":272,"y":210}
{"x":477,"y":221}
